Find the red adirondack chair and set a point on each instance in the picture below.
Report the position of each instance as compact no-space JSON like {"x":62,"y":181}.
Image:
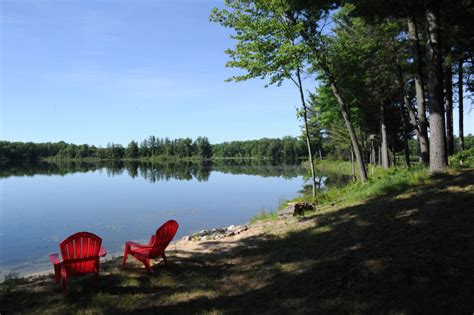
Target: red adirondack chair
{"x":155,"y":248}
{"x":81,"y":253}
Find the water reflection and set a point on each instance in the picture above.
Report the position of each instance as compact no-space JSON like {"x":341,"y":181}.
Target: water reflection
{"x":153,"y":171}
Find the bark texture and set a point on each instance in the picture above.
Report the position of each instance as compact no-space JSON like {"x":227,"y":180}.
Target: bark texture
{"x":406,"y":149}
{"x":448,"y":79}
{"x":383,"y":131}
{"x":461,"y":104}
{"x":438,"y":157}
{"x":350,"y":129}
{"x":420,"y":91}
{"x":307,"y":133}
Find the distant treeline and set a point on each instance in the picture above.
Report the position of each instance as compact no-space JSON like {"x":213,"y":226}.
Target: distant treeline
{"x":153,"y":171}
{"x":286,"y":149}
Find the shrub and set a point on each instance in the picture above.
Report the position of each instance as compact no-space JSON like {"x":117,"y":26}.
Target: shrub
{"x":462,"y":159}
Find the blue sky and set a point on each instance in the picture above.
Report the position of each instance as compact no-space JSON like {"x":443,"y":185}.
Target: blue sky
{"x":104,"y":71}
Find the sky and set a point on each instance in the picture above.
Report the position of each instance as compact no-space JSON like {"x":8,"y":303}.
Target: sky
{"x":100,"y":71}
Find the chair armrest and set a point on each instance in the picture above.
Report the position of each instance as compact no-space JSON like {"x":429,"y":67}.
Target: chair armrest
{"x":54,"y":259}
{"x":102,"y":252}
{"x":133,"y":244}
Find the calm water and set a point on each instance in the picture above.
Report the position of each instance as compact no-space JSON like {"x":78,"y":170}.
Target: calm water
{"x":44,"y":203}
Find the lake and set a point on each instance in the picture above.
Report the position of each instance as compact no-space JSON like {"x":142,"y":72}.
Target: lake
{"x":43,"y":203}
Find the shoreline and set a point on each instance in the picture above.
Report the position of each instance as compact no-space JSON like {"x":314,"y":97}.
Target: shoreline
{"x":177,"y":247}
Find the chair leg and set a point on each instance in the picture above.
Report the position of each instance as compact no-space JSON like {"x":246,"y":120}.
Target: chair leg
{"x":57,"y":273}
{"x":96,"y":278}
{"x":146,"y":262}
{"x":125,"y":256}
{"x":64,"y":286}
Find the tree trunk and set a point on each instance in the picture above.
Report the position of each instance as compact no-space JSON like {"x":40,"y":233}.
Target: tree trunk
{"x":461,"y":104}
{"x":449,"y":108}
{"x":394,"y":155}
{"x":342,"y":105}
{"x":406,"y":149}
{"x":420,"y":93}
{"x":352,"y":165}
{"x":383,"y":131}
{"x":350,"y":127}
{"x":307,"y":133}
{"x":404,"y":104}
{"x":412,"y":120}
{"x":379,"y":155}
{"x":438,"y":158}
{"x":372,"y":153}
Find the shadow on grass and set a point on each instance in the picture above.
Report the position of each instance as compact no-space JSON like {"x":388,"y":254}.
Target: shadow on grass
{"x":398,"y":253}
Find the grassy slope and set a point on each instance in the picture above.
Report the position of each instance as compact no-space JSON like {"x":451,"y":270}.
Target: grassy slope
{"x":407,"y":251}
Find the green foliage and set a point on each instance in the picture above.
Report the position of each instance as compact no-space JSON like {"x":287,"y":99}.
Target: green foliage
{"x":287,"y":149}
{"x":463,"y":159}
{"x":267,"y":39}
{"x":339,"y":167}
{"x":383,"y":181}
{"x":10,"y":282}
{"x":132,"y":150}
{"x":264,"y":216}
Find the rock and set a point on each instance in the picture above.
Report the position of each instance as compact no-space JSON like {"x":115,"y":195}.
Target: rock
{"x":301,"y":207}
{"x":217,"y":233}
{"x":295,"y":209}
{"x":243,"y":228}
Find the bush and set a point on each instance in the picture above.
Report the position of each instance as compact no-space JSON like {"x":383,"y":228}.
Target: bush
{"x":462,"y":159}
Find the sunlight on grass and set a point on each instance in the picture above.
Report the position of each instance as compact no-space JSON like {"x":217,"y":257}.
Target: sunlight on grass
{"x":383,"y":181}
{"x":164,"y":280}
{"x":323,"y":229}
{"x":375,"y":265}
{"x":264,"y":215}
{"x":191,"y":295}
{"x":130,"y":282}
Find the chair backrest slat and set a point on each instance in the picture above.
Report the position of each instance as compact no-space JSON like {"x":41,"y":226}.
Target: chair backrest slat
{"x":165,"y":234}
{"x":82,"y":246}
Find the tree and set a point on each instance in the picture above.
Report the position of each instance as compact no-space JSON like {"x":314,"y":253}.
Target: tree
{"x":422,"y":125}
{"x":448,"y":81}
{"x":438,"y":158}
{"x":132,"y":151}
{"x":269,"y":45}
{"x":311,"y":18}
{"x":461,"y":104}
{"x":203,"y":147}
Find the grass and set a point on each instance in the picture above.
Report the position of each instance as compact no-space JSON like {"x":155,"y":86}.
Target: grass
{"x":334,"y":167}
{"x":407,"y":248}
{"x":383,"y":181}
{"x":264,"y":215}
{"x":11,"y":281}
